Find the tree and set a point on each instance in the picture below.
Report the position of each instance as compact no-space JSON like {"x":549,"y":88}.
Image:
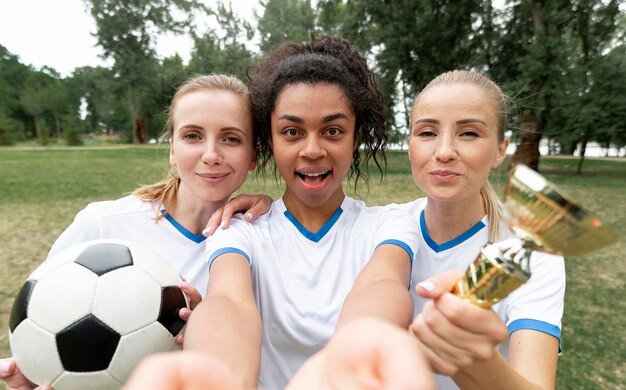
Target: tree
{"x":411,"y":41}
{"x":285,"y":20}
{"x":126,"y":30}
{"x":223,"y":50}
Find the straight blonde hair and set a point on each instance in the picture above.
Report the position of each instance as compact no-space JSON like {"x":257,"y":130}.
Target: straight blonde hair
{"x":166,"y":191}
{"x":492,"y":204}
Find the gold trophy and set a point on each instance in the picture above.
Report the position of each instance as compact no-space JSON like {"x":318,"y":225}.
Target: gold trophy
{"x":541,"y":218}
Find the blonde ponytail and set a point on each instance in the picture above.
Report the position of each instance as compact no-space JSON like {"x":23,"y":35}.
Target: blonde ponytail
{"x":163,"y":192}
{"x":495,"y":212}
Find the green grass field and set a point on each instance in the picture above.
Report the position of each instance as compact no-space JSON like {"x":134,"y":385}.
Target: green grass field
{"x":42,"y":189}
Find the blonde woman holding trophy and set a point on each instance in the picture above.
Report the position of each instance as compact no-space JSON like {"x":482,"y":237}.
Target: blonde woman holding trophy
{"x":457,"y":137}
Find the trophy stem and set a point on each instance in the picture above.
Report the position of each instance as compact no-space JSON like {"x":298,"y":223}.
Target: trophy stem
{"x":499,"y":269}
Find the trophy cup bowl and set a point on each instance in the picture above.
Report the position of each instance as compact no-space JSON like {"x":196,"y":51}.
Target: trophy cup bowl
{"x":541,"y":218}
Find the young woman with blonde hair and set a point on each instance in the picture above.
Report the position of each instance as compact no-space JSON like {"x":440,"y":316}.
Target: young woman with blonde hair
{"x":457,"y":136}
{"x":212,"y":149}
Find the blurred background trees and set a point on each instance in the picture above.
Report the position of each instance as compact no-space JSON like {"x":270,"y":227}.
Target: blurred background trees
{"x":563,"y":62}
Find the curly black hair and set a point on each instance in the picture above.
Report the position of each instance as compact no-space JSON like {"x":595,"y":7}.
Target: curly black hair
{"x":322,"y":60}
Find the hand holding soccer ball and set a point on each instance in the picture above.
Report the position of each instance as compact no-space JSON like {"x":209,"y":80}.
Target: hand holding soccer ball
{"x":85,"y":317}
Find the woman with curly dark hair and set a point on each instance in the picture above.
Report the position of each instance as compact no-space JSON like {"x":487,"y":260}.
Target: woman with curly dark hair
{"x":318,"y":259}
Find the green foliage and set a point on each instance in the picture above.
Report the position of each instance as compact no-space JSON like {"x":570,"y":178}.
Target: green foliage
{"x":126,"y":32}
{"x":222,"y":51}
{"x":285,"y":20}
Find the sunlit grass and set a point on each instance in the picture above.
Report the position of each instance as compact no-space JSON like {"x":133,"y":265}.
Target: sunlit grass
{"x":42,"y":189}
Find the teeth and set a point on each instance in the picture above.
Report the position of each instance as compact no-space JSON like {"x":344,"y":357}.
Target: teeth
{"x":313,"y":174}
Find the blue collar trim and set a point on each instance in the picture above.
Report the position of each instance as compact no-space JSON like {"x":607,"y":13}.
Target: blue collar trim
{"x":452,"y":243}
{"x":193,"y":237}
{"x":315,"y":237}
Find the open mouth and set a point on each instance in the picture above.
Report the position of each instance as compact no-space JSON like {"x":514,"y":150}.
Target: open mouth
{"x":313,"y":178}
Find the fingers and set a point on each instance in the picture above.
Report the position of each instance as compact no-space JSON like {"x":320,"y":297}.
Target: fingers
{"x":214,"y":222}
{"x":251,"y":205}
{"x":13,"y":377}
{"x":472,"y":318}
{"x":192,"y":294}
{"x":261,"y":205}
{"x":369,"y":353}
{"x":439,"y":284}
{"x":182,"y":370}
{"x":455,"y":333}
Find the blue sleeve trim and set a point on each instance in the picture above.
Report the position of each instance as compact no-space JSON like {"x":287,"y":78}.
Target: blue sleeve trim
{"x":222,"y":251}
{"x":402,"y":245}
{"x":539,"y":326}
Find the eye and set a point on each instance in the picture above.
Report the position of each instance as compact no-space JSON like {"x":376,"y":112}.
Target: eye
{"x":425,"y":133}
{"x":231,"y":139}
{"x":191,"y":136}
{"x":469,"y":133}
{"x":291,"y":132}
{"x":333,"y":131}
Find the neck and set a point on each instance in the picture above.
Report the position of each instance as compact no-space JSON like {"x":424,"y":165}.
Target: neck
{"x":448,"y":220}
{"x":313,"y":217}
{"x":192,"y":213}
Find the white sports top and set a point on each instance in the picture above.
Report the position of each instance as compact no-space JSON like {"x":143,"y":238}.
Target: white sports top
{"x":301,"y":278}
{"x":132,"y":219}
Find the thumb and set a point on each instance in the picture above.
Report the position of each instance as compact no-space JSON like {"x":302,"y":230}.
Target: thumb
{"x":438,"y":284}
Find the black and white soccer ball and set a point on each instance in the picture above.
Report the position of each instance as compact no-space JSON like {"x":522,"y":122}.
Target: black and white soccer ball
{"x":86,"y":316}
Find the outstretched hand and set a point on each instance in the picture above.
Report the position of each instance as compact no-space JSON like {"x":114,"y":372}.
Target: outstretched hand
{"x":251,"y":205}
{"x":454,"y":333}
{"x":184,"y":370}
{"x":366,"y":354}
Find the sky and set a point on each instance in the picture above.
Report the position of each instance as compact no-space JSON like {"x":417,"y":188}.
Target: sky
{"x":58,"y":33}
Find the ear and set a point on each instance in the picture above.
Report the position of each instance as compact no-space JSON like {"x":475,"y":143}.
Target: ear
{"x":254,"y":158}
{"x":501,"y":153}
{"x":172,"y":156}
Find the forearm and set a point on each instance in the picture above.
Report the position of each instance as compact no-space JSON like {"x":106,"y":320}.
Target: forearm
{"x":387,"y":300}
{"x":495,"y":373}
{"x":230,"y":332}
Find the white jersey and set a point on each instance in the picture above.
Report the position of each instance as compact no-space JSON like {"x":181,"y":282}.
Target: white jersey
{"x":536,"y":305}
{"x":301,"y":278}
{"x":132,"y":219}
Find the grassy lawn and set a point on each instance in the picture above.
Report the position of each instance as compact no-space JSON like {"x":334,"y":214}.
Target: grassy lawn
{"x":42,"y":189}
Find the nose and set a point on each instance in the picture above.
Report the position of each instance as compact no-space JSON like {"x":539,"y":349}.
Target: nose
{"x":312,"y":148}
{"x":446,"y":148}
{"x":212,"y":154}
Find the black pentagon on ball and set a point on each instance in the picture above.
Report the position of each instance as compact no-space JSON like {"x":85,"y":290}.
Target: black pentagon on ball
{"x":172,"y":300}
{"x":20,"y":305}
{"x":87,"y":345}
{"x":105,"y":257}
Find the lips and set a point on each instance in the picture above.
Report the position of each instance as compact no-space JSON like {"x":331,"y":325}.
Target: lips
{"x":444,"y":176}
{"x":314,"y":179}
{"x":213,"y":176}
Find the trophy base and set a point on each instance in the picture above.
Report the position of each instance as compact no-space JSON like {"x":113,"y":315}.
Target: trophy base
{"x":494,"y":274}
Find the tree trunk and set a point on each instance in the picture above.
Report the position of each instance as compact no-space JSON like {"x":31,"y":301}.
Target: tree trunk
{"x":527,"y":151}
{"x":140,"y":130}
{"x":583,"y":149}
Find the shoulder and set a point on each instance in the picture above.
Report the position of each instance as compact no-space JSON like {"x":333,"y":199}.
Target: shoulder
{"x":126,"y":205}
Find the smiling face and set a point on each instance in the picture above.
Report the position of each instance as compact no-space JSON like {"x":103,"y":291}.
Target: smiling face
{"x":312,"y":142}
{"x":454,"y":142}
{"x":211,"y":145}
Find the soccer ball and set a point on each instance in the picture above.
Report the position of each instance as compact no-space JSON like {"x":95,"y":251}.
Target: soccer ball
{"x":86,"y":316}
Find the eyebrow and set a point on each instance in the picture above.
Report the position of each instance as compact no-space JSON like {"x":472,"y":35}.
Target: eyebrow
{"x":226,"y":128}
{"x":459,"y":122}
{"x":326,"y":119}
